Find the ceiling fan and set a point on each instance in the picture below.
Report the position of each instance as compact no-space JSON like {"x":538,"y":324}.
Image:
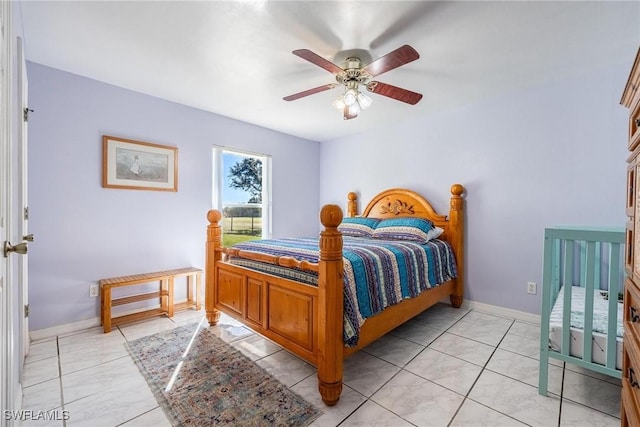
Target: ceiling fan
{"x":355,"y":74}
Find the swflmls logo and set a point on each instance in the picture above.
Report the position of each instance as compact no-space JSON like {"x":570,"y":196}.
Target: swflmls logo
{"x":31,"y":415}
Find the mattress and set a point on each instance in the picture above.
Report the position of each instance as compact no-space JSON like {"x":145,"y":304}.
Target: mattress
{"x":600,"y":325}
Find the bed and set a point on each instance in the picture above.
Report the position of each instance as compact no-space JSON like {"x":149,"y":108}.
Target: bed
{"x":308,"y":319}
{"x":582,"y":311}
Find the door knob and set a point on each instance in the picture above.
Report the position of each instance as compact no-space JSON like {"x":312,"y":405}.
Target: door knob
{"x":28,"y":237}
{"x":20,"y":248}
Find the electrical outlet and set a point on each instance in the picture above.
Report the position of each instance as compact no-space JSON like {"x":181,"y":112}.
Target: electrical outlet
{"x":531,"y":288}
{"x":94,"y":291}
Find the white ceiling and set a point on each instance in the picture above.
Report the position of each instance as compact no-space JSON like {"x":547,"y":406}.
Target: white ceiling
{"x":234,"y":58}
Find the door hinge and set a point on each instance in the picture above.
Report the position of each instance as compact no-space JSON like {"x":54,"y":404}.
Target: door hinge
{"x":25,"y":113}
{"x":26,"y":310}
{"x":26,"y":213}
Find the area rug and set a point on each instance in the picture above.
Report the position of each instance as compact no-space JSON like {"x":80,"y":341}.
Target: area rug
{"x":199,"y":380}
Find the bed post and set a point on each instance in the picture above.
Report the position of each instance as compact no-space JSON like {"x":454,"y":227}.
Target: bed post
{"x":330,"y":306}
{"x":456,"y":218}
{"x":214,"y":240}
{"x":352,"y":205}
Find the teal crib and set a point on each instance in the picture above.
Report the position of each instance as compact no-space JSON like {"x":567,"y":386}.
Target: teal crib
{"x":581,"y":316}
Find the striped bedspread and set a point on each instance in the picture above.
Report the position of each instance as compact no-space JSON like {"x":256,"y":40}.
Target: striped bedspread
{"x":377,"y":273}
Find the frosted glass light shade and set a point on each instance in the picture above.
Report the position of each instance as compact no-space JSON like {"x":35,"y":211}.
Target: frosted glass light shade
{"x":349,"y":97}
{"x":364,"y":100}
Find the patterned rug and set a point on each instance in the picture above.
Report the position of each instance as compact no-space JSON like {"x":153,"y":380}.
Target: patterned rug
{"x":199,"y":380}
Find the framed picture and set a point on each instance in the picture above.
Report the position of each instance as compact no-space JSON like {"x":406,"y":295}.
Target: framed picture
{"x":137,"y":165}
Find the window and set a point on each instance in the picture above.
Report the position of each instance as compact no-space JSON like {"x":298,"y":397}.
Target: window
{"x":241,"y":190}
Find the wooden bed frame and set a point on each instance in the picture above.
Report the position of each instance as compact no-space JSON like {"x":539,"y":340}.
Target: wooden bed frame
{"x":308,"y":320}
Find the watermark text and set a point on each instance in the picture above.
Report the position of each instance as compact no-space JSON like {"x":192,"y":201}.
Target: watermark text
{"x":34,"y":415}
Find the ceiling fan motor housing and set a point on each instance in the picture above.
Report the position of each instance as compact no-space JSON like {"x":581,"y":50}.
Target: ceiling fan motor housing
{"x":352,"y":62}
{"x":352,"y":74}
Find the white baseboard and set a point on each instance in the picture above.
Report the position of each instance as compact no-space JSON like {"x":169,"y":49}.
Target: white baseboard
{"x":501,"y":311}
{"x":67,"y":328}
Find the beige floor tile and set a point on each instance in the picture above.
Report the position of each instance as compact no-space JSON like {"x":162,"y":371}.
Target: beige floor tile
{"x":394,"y":381}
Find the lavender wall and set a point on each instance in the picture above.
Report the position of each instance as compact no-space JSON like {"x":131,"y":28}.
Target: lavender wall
{"x":85,"y":232}
{"x":546,"y":156}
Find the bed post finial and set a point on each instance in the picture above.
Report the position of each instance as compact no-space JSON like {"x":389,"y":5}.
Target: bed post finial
{"x":214,"y":240}
{"x":456,"y":218}
{"x":352,"y":205}
{"x":330,"y":306}
{"x":331,"y":216}
{"x":457,"y":190}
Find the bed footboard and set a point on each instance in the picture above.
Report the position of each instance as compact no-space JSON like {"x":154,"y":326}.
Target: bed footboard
{"x":304,"y":319}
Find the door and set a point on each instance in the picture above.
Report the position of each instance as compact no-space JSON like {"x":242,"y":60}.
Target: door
{"x":6,"y":312}
{"x":23,"y":205}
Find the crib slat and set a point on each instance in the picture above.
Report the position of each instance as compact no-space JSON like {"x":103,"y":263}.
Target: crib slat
{"x":597,"y":267}
{"x":584,"y":264}
{"x":566,"y":309}
{"x":555,"y":267}
{"x":587,"y":352}
{"x":612,"y":327}
{"x":550,"y":283}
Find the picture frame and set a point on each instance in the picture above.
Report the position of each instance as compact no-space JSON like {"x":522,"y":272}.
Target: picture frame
{"x":137,"y":165}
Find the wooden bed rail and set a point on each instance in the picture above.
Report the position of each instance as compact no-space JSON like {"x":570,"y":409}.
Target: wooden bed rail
{"x":283,"y":261}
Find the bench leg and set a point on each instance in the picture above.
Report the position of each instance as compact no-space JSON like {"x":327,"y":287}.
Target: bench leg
{"x":193,"y":290}
{"x":190,"y":289}
{"x":198,"y":286}
{"x":164,"y":294}
{"x":170,"y":298}
{"x":105,"y":315}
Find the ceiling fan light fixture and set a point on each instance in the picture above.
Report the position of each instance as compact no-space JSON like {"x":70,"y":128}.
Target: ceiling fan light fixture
{"x":339,"y":103}
{"x":350,"y":97}
{"x":353,"y":109}
{"x":364,"y":101}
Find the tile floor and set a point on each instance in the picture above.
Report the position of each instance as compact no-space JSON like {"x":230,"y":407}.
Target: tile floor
{"x":446,"y":367}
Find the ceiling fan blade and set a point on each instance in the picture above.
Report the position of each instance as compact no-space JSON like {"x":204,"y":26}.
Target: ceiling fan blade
{"x":347,"y":115}
{"x":309,"y":92}
{"x":394,"y":92}
{"x":400,"y":56}
{"x":318,"y":60}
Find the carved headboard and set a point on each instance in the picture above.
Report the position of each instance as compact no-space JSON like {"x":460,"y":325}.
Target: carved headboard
{"x":400,"y":202}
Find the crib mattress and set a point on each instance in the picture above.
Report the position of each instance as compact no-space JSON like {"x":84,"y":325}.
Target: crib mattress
{"x":600,"y":320}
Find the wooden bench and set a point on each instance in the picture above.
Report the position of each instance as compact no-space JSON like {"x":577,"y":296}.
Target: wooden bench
{"x":165,"y":294}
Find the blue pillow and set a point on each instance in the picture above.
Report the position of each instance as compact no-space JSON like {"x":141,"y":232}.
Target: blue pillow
{"x":412,"y":229}
{"x":358,"y":226}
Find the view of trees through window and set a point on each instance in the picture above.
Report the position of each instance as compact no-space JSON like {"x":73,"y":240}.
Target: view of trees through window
{"x":241,"y":198}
